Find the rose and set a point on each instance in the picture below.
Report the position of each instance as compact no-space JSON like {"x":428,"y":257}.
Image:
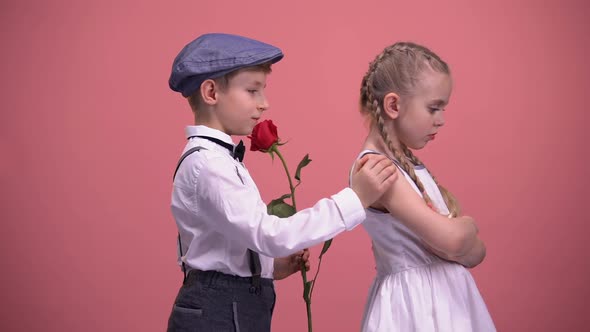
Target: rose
{"x":265,"y":139}
{"x":264,"y":135}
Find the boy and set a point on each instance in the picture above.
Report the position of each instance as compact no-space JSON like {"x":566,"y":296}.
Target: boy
{"x":227,"y":241}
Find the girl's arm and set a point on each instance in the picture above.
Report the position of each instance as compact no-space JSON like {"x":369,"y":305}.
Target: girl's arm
{"x":474,"y":256}
{"x":471,"y":259}
{"x":453,"y":237}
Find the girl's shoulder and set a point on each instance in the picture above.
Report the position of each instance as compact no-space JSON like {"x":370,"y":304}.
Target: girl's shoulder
{"x":371,"y":151}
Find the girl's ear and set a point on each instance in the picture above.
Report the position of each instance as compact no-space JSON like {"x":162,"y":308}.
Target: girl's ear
{"x":390,"y":105}
{"x":209,"y":92}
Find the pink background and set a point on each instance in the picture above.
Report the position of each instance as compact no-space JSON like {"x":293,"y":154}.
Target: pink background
{"x":90,"y":134}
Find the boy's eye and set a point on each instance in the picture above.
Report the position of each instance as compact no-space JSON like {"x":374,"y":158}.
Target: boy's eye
{"x":252,"y":91}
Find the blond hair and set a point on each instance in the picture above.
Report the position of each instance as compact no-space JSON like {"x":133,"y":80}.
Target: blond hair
{"x":397,"y":69}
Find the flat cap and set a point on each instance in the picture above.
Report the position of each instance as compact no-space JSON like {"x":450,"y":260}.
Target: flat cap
{"x":214,"y":55}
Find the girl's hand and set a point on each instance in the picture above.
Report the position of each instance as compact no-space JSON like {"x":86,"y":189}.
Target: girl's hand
{"x":468,"y":220}
{"x":286,"y":266}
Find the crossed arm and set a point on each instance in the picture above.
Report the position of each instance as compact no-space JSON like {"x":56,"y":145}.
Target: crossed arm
{"x":454,"y":239}
{"x":471,"y":259}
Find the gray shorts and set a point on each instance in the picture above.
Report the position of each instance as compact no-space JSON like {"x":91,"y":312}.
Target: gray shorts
{"x":214,"y":301}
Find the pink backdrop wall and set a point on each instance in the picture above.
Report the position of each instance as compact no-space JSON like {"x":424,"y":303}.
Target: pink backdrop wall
{"x":90,"y":134}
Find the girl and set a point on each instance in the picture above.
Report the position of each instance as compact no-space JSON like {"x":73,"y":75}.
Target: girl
{"x":421,"y":243}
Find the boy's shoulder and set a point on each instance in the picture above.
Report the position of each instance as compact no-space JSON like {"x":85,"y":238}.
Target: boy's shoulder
{"x":204,"y":155}
{"x":203,"y":158}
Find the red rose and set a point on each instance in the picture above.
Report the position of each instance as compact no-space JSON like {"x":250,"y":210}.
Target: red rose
{"x":264,"y":135}
{"x":265,"y":139}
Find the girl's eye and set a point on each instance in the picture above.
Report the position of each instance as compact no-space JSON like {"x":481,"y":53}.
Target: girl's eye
{"x":252,"y":91}
{"x":433,"y":109}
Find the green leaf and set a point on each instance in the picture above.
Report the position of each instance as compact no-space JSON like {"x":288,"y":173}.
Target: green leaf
{"x":327,"y":245}
{"x":304,"y":162}
{"x":279,"y":208}
{"x":282,"y":198}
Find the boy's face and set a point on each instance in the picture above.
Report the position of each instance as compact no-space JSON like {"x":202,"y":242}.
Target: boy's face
{"x":242,"y":102}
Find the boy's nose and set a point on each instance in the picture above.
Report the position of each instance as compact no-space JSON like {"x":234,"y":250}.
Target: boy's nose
{"x":263,"y":106}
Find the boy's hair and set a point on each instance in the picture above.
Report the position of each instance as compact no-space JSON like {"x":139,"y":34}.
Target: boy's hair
{"x":398,"y":69}
{"x":222,"y":82}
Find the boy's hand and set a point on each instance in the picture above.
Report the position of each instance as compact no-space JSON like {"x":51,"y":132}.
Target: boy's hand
{"x":372,"y":176}
{"x":286,"y":266}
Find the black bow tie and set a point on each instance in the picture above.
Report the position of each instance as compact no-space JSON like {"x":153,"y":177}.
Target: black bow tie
{"x":237,"y":152}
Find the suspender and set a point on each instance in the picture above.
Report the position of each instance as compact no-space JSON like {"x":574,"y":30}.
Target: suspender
{"x":182,"y":158}
{"x":254,"y":258}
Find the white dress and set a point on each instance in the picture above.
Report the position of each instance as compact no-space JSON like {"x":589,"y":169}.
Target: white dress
{"x":415,"y":290}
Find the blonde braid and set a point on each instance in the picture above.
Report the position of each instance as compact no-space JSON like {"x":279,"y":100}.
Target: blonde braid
{"x":370,"y":103}
{"x":450,"y":200}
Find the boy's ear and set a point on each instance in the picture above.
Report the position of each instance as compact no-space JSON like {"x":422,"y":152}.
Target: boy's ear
{"x":209,"y":92}
{"x":390,"y":105}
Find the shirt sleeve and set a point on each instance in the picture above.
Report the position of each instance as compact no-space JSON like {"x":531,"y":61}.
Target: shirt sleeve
{"x":235,"y":209}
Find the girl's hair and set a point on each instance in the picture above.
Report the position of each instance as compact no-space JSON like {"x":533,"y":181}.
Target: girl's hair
{"x":397,"y":69}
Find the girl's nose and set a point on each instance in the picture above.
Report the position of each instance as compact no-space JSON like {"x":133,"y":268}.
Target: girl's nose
{"x":439,"y":121}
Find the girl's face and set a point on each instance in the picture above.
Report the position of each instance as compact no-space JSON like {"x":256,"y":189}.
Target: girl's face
{"x":421,"y":114}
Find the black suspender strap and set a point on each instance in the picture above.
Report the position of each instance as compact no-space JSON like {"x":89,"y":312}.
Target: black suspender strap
{"x":256,"y":269}
{"x":182,"y":158}
{"x":186,"y":154}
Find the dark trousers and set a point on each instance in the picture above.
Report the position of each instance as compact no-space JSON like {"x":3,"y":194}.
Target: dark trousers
{"x":211,"y":301}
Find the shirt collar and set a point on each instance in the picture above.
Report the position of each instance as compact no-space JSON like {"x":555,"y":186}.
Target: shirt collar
{"x":206,"y":131}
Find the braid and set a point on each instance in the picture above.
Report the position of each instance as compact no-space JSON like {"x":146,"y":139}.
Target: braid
{"x":367,"y":96}
{"x":449,"y":198}
{"x":403,"y":162}
{"x":396,"y":69}
{"x":370,"y":103}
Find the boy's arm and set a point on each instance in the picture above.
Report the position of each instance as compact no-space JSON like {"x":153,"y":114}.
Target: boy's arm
{"x":231,"y":206}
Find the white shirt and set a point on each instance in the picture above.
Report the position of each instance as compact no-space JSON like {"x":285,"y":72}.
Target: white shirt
{"x":220,"y":214}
